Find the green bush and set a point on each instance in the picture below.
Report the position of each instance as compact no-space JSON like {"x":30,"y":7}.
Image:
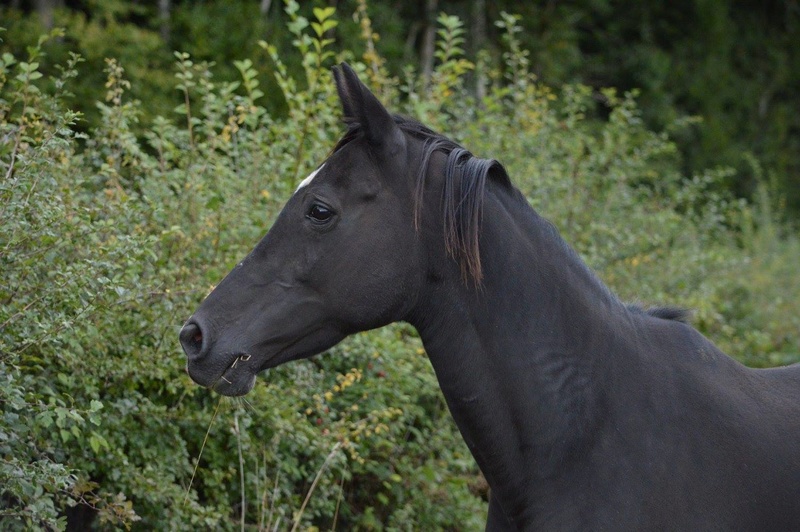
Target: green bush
{"x":110,"y":239}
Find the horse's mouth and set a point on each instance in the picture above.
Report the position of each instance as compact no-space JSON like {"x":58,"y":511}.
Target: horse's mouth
{"x":238,"y":378}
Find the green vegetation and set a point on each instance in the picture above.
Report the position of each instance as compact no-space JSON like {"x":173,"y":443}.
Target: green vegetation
{"x":112,"y":232}
{"x":731,"y":67}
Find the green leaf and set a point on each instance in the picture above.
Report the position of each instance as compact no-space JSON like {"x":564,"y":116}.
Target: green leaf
{"x":291,"y":7}
{"x":214,"y":202}
{"x":324,"y":13}
{"x":45,"y":418}
{"x":298,"y":25}
{"x":243,"y":65}
{"x":97,"y":442}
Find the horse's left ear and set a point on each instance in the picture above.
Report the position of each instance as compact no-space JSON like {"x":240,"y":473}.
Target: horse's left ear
{"x":360,"y":105}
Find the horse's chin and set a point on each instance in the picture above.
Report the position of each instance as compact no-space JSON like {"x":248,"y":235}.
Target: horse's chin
{"x":234,"y":383}
{"x":238,"y":378}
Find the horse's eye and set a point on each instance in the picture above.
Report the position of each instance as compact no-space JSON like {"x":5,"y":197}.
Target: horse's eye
{"x":319,"y":214}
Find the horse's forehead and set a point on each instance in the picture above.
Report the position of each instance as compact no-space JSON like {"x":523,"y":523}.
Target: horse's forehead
{"x":307,"y":181}
{"x":343,"y":165}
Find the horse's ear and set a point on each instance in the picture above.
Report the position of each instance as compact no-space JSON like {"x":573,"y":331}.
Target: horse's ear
{"x":360,"y":105}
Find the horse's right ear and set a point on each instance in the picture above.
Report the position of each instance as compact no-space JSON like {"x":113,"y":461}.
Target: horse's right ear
{"x":361,"y":106}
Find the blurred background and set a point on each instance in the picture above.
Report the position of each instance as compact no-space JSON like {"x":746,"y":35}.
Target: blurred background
{"x":735,"y":65}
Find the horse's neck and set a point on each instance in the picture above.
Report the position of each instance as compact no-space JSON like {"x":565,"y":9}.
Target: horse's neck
{"x":517,"y":359}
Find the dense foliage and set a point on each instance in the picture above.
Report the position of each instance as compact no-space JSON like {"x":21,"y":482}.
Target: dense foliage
{"x":112,"y":234}
{"x":732,"y":66}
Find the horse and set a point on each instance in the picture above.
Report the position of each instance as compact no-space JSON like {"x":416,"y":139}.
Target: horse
{"x":582,"y":412}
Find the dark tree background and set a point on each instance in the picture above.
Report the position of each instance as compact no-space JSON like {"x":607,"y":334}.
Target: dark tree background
{"x":735,"y":64}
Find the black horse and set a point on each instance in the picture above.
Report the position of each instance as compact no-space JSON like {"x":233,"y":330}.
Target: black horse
{"x":583,"y":413}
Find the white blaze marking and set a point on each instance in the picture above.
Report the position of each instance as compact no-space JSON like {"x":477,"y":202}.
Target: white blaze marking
{"x":305,"y":182}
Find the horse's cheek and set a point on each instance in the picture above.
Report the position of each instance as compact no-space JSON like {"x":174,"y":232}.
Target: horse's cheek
{"x":371,"y":287}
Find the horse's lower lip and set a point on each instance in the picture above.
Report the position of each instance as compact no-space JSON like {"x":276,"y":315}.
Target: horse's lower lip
{"x":238,"y":363}
{"x":236,"y":379}
{"x":241,"y":384}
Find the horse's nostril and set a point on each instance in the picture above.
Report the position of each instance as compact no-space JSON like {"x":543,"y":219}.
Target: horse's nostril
{"x":192,"y":339}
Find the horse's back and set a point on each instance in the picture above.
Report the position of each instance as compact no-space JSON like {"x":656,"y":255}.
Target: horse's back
{"x":702,"y":441}
{"x":784,"y":380}
{"x":756,"y":441}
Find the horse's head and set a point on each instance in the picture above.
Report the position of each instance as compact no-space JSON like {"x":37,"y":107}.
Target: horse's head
{"x":343,"y":256}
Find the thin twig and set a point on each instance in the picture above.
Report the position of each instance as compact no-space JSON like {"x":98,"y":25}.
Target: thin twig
{"x":274,"y":492}
{"x":13,"y":156}
{"x":261,"y":512}
{"x":338,"y":503}
{"x":200,"y":454}
{"x":10,"y":171}
{"x":241,"y":464}
{"x":188,"y":103}
{"x":258,"y":486}
{"x":314,"y":485}
{"x":53,"y":333}
{"x":21,"y":312}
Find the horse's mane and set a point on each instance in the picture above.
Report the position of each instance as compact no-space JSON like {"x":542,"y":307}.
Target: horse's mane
{"x":465,"y":178}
